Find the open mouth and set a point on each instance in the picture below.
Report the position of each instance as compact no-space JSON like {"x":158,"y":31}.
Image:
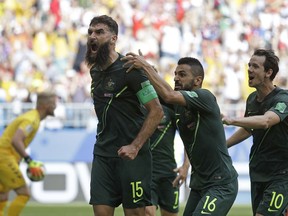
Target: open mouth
{"x":94,"y":48}
{"x":250,"y":78}
{"x":177,"y":87}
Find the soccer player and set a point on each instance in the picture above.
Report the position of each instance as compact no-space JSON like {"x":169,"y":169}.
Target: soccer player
{"x":13,"y":143}
{"x":213,"y":184}
{"x":166,"y":177}
{"x":266,"y":120}
{"x":122,"y":164}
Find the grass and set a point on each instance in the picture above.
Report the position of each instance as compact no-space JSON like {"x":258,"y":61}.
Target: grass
{"x":80,"y":209}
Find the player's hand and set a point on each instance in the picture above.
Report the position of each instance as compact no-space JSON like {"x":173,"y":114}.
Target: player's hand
{"x":128,"y":152}
{"x":226,"y":120}
{"x":133,"y":61}
{"x":35,"y":169}
{"x":181,"y":177}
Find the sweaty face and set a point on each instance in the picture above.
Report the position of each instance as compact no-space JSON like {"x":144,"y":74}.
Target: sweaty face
{"x":256,"y":71}
{"x":99,"y":37}
{"x":184,"y":80}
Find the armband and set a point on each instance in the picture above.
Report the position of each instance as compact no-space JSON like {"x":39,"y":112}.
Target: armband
{"x":146,"y":94}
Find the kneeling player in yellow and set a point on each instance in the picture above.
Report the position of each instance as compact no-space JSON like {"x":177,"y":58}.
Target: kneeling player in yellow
{"x":13,"y":143}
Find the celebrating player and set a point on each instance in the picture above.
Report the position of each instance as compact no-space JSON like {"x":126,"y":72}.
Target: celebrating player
{"x":214,"y":184}
{"x":121,"y":168}
{"x":266,"y":120}
{"x":15,"y":139}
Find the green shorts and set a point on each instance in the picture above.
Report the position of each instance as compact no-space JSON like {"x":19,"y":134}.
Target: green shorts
{"x":115,"y":181}
{"x":213,"y":201}
{"x":269,"y":198}
{"x":164,"y":194}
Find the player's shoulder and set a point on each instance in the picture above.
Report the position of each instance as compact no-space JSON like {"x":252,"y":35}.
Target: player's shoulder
{"x":282,"y":91}
{"x":252,"y":95}
{"x":279,"y":94}
{"x":30,"y":115}
{"x":204,"y":91}
{"x":199,"y":93}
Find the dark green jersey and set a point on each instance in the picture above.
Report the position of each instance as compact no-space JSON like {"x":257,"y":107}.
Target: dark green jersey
{"x":269,"y":152}
{"x":201,"y":129}
{"x":162,"y":145}
{"x":117,"y":107}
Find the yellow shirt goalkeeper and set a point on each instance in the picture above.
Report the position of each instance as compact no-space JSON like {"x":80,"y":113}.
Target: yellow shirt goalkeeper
{"x":13,"y":143}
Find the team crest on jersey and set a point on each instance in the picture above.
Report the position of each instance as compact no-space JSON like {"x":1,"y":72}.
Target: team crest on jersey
{"x":109,"y":85}
{"x":192,"y":94}
{"x":281,"y":107}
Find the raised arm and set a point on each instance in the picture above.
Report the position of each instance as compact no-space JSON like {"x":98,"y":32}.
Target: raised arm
{"x":161,"y":86}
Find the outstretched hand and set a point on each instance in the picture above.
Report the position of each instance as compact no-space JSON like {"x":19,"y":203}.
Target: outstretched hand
{"x":134,"y":61}
{"x":226,"y":120}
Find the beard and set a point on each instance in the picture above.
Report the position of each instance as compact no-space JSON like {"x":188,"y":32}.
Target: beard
{"x":186,"y":87}
{"x":99,"y":58}
{"x":177,"y":89}
{"x":177,"y":86}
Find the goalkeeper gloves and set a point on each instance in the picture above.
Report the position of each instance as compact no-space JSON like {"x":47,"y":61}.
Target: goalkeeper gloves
{"x":35,"y":169}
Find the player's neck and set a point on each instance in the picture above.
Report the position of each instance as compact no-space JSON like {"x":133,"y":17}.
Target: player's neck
{"x":113,"y":56}
{"x":264,"y":91}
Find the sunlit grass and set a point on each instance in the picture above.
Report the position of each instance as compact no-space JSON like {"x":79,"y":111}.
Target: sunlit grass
{"x":83,"y":209}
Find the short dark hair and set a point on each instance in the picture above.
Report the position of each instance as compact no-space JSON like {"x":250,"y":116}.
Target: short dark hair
{"x":271,"y":60}
{"x":195,"y":64}
{"x":107,"y":20}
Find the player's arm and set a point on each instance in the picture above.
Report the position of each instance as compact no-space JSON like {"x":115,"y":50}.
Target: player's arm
{"x":18,"y":143}
{"x":182,"y":172}
{"x":248,"y":123}
{"x":161,"y":86}
{"x":153,"y":118}
{"x":254,"y":122}
{"x":240,"y":135}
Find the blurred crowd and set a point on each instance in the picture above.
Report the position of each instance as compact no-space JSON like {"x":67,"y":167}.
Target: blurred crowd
{"x":43,"y":42}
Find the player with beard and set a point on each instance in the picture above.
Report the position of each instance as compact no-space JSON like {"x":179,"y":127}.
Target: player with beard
{"x":213,"y":184}
{"x":15,"y":139}
{"x":266,"y":119}
{"x":166,"y":176}
{"x":122,"y":164}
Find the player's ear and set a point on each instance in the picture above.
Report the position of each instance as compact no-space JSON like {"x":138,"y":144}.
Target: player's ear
{"x":114,"y":39}
{"x":198,"y":80}
{"x":269,"y":73}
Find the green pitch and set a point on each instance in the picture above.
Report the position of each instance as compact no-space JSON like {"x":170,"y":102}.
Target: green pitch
{"x":80,"y":209}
